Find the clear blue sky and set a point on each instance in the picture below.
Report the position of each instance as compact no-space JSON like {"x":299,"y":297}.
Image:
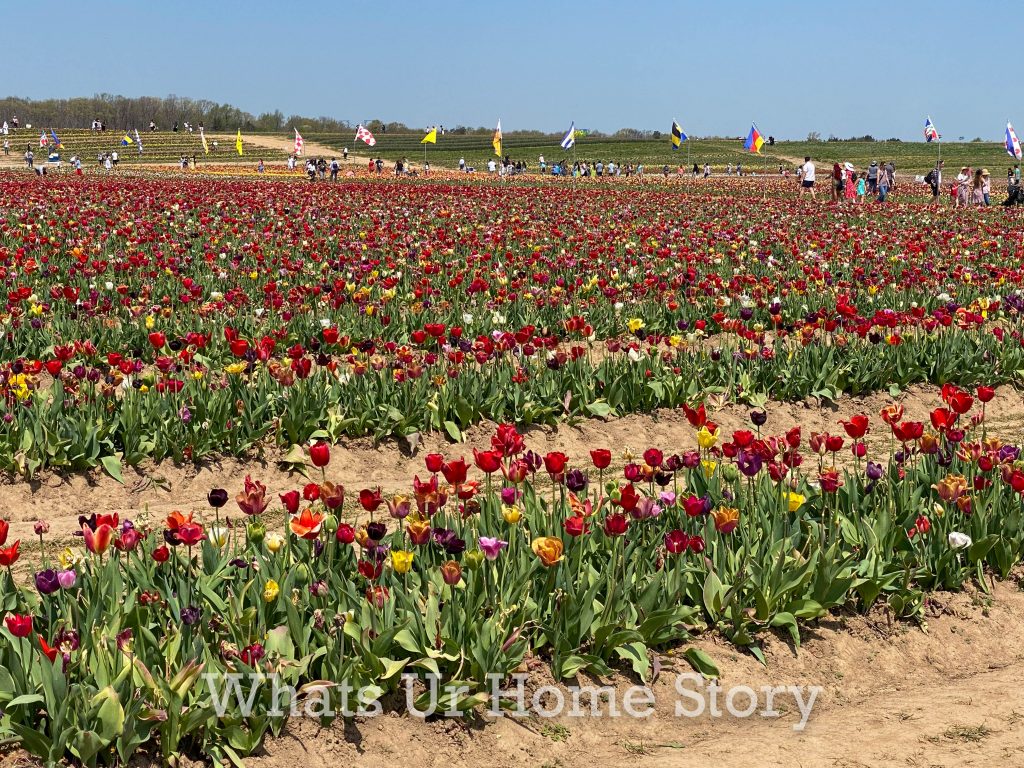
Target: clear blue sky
{"x":847,"y":68}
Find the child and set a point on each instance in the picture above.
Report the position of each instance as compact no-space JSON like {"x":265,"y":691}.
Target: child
{"x":862,"y":187}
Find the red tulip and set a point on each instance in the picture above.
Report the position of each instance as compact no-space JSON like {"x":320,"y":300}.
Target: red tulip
{"x":985,"y":394}
{"x":4,"y":528}
{"x":434,"y":462}
{"x":455,"y":471}
{"x":696,"y":416}
{"x":616,"y":524}
{"x":576,"y":525}
{"x":157,"y":340}
{"x":320,"y":454}
{"x":601,"y":457}
{"x":857,"y":426}
{"x":676,"y":542}
{"x":693,"y":506}
{"x":9,"y":556}
{"x":487,"y":461}
{"x":19,"y":625}
{"x":345,"y":534}
{"x":311,"y":491}
{"x":161,"y":554}
{"x":653,"y":458}
{"x":291,"y":501}
{"x":370,"y":499}
{"x":190,"y":534}
{"x":554,"y":463}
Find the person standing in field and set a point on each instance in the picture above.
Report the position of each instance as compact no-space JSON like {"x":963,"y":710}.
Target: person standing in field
{"x":886,"y":180}
{"x":862,"y":187}
{"x":707,"y":170}
{"x":543,"y":165}
{"x":344,"y":154}
{"x":986,"y":186}
{"x":962,"y":185}
{"x":849,"y":181}
{"x":30,"y":158}
{"x":978,"y":188}
{"x":934,"y":180}
{"x":873,"y":177}
{"x":807,"y":176}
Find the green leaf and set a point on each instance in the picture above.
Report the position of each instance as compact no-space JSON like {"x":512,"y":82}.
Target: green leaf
{"x":600,"y":408}
{"x":701,"y":662}
{"x":26,"y":698}
{"x":453,"y":431}
{"x":112,"y":464}
{"x":636,"y":654}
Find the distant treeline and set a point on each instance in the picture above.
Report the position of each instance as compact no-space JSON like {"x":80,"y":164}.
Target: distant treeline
{"x":120,"y":113}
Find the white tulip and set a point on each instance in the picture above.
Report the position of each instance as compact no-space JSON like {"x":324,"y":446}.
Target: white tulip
{"x":959,"y":540}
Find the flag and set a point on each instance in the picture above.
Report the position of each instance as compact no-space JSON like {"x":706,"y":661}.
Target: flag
{"x":138,"y":140}
{"x":930,"y":134}
{"x":43,"y":141}
{"x":678,"y":137}
{"x":430,"y":138}
{"x":569,"y":140}
{"x":56,"y":141}
{"x":238,"y":141}
{"x":496,"y":140}
{"x":298,"y":142}
{"x":1012,"y":145}
{"x":364,"y":135}
{"x":754,"y":140}
{"x":202,"y":138}
{"x":126,"y":140}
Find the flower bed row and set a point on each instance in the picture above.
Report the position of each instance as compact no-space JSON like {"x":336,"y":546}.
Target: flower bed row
{"x":112,"y":649}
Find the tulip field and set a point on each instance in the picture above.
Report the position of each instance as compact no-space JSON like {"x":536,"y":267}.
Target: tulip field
{"x":168,"y":320}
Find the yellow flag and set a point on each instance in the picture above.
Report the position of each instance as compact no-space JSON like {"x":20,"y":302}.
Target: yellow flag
{"x":206,"y":147}
{"x":496,"y":141}
{"x":238,"y":141}
{"x":430,"y":138}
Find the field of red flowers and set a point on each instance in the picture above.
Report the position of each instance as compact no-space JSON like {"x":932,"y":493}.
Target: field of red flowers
{"x":183,"y":321}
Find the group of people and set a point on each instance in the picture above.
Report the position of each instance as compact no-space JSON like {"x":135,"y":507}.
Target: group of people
{"x":974,"y":187}
{"x":846,"y":184}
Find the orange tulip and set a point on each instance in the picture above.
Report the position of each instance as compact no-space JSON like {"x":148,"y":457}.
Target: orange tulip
{"x":307,"y":523}
{"x":548,"y":549}
{"x":98,"y":541}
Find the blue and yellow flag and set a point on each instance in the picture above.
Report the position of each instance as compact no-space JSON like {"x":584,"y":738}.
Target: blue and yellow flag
{"x":678,"y":137}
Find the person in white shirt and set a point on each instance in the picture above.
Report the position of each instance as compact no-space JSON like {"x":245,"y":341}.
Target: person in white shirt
{"x":491,"y":166}
{"x":807,"y":176}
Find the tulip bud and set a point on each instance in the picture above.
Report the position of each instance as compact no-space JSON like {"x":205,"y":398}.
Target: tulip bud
{"x":473,"y":559}
{"x":730,"y":473}
{"x":302,"y":574}
{"x":255,"y":532}
{"x":330,"y":523}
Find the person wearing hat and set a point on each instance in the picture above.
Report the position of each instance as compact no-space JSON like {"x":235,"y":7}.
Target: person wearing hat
{"x":986,"y":185}
{"x":849,"y":181}
{"x":873,"y":177}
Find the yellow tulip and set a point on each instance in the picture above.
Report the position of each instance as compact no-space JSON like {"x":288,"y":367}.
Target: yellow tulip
{"x":707,"y":439}
{"x":512,"y":515}
{"x":401,"y":560}
{"x":271,"y":591}
{"x":274,"y":542}
{"x":795,"y":500}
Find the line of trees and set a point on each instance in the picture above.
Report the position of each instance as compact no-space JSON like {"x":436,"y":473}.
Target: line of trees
{"x":123,"y":112}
